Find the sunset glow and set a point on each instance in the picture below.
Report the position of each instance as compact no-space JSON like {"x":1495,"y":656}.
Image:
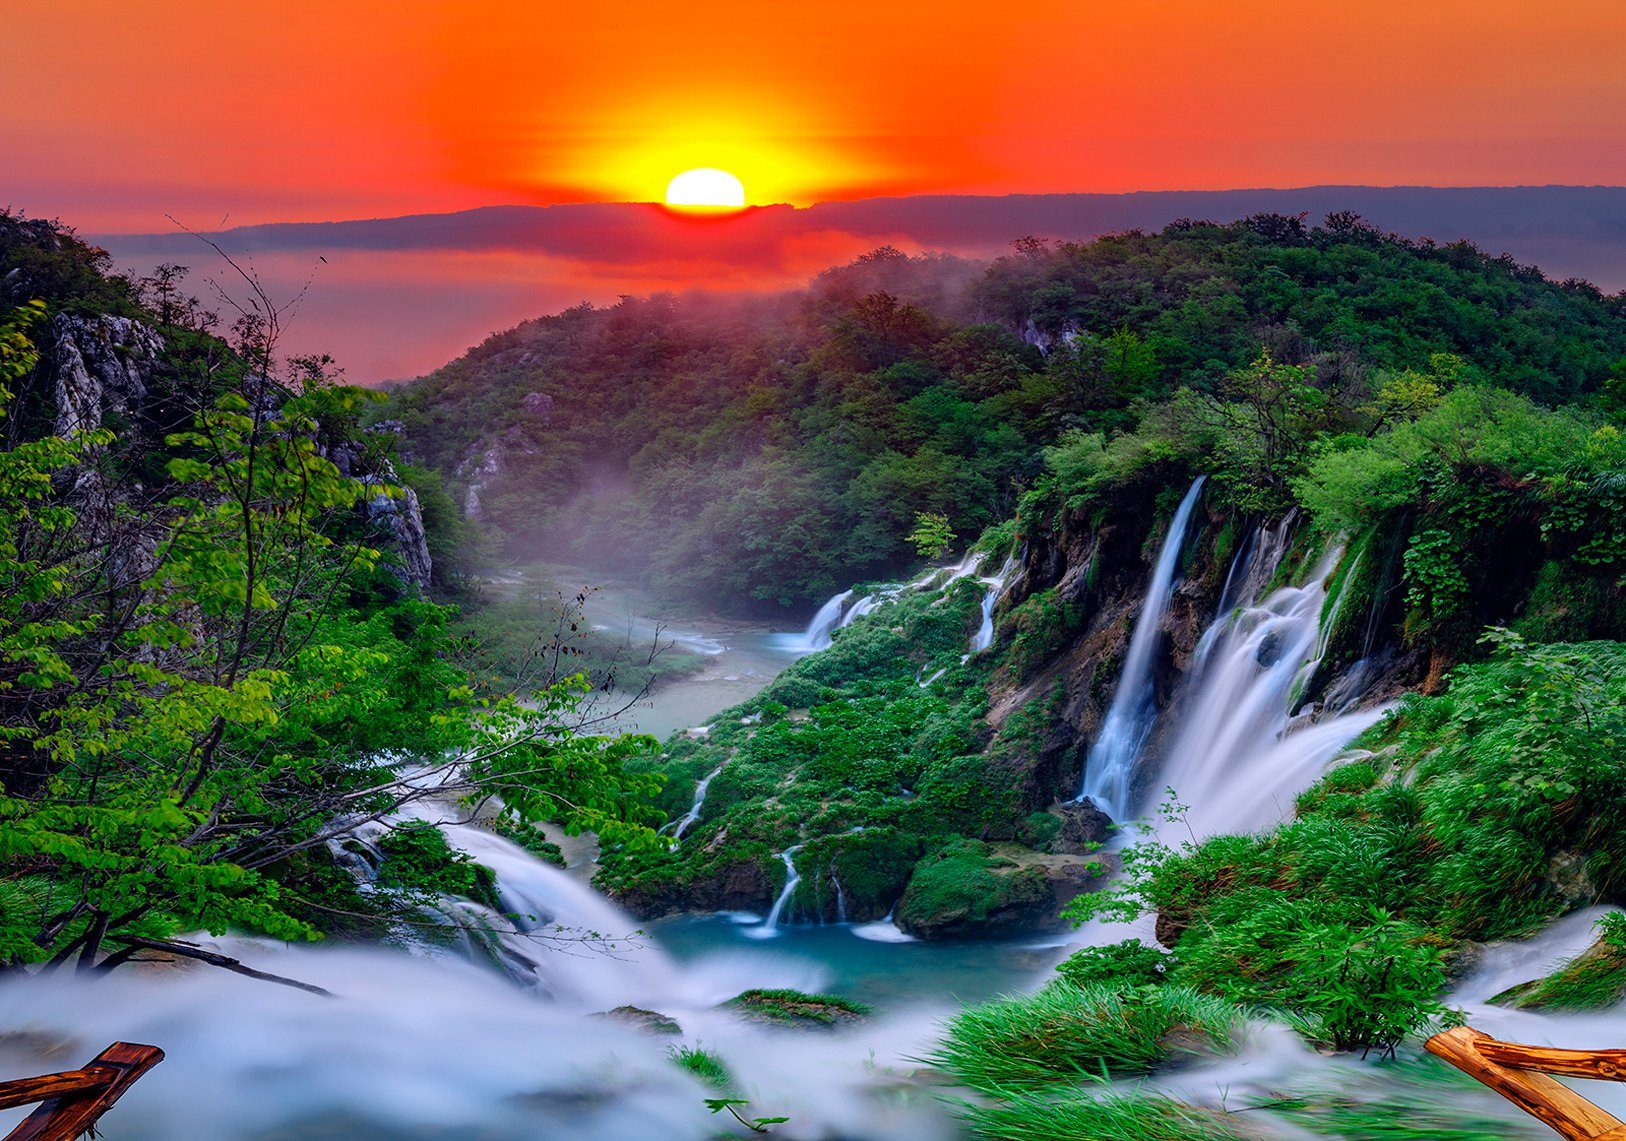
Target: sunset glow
{"x":706,"y":188}
{"x":534,"y":104}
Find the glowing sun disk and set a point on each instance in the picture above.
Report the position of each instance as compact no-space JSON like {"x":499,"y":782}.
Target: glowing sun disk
{"x":706,"y":188}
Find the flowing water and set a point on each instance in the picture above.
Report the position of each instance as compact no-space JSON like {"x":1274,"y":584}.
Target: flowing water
{"x":1111,"y":761}
{"x":1240,"y":757}
{"x":429,"y":1045}
{"x":993,"y":589}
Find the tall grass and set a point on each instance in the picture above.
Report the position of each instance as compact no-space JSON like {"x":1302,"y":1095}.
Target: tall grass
{"x":1065,"y":1033}
{"x":1121,"y":1117}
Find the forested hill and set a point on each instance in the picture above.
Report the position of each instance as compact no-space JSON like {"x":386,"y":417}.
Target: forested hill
{"x":759,"y":453}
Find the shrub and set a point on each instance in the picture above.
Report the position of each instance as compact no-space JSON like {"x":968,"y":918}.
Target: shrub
{"x":1130,"y":963}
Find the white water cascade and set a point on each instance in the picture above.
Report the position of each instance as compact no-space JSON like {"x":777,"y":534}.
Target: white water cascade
{"x":693,"y":814}
{"x":994,"y":589}
{"x":823,"y":625}
{"x":1239,"y":758}
{"x":770,"y":926}
{"x":1111,"y":761}
{"x":844,"y":609}
{"x":429,"y":1046}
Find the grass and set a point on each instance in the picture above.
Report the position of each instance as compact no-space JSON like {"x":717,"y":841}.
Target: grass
{"x":784,"y":1007}
{"x":1593,"y":980}
{"x":1064,"y":1033}
{"x":705,"y":1065}
{"x":1121,"y":1117}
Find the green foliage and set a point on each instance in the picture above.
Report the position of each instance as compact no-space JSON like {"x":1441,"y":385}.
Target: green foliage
{"x":1130,"y":963}
{"x":1065,"y":1034}
{"x":770,"y":451}
{"x":794,"y":1008}
{"x":931,"y":535}
{"x":203,"y":680}
{"x":1120,"y":1116}
{"x":419,"y":862}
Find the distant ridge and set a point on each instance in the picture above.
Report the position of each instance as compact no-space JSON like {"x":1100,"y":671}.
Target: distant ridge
{"x":1524,"y":216}
{"x":394,"y":297}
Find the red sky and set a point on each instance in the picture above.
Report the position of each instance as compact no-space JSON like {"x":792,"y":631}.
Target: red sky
{"x":119,"y":112}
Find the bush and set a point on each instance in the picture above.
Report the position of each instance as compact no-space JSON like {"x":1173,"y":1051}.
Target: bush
{"x":1130,"y":963}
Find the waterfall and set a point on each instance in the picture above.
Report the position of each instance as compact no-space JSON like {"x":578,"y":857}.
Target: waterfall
{"x":770,"y":926}
{"x":842,"y":610}
{"x":841,"y":896}
{"x":819,"y":630}
{"x":994,"y":590}
{"x":1239,"y":758}
{"x":1112,"y":758}
{"x":699,"y":802}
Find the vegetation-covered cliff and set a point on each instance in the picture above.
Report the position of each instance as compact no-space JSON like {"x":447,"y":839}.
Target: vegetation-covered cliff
{"x":765,"y":453}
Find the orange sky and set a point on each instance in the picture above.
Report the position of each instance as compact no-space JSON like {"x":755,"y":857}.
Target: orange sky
{"x":117,"y":112}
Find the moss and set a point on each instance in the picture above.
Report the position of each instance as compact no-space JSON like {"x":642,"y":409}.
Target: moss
{"x":529,"y":837}
{"x":798,"y":1009}
{"x":967,"y":889}
{"x":1593,"y":980}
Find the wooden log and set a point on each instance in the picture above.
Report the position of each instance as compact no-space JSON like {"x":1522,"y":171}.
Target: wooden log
{"x":26,"y":1091}
{"x":1605,"y":1065}
{"x":68,"y":1115}
{"x":1544,"y":1098}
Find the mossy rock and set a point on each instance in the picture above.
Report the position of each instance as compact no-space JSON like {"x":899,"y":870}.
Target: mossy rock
{"x":1594,"y":980}
{"x":971,"y":890}
{"x":798,"y":1010}
{"x":649,"y":1021}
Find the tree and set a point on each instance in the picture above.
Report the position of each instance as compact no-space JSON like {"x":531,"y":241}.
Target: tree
{"x":197,"y":693}
{"x":932,"y":534}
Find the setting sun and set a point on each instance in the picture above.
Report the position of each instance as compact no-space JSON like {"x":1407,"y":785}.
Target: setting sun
{"x":706,"y":188}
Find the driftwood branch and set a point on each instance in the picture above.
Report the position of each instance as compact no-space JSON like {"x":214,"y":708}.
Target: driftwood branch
{"x":72,"y":1102}
{"x":1520,"y":1074}
{"x":188,"y":951}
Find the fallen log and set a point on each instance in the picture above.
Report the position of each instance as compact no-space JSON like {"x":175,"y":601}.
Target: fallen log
{"x":73,"y":1101}
{"x":1520,"y":1073}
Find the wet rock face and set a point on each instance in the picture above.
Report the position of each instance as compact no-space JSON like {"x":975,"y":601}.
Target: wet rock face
{"x":101,"y":365}
{"x":971,"y":890}
{"x":1083,"y":828}
{"x":741,"y":886}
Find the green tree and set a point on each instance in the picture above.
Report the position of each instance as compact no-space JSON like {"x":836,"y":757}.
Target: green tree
{"x":931,"y":535}
{"x":196,"y":694}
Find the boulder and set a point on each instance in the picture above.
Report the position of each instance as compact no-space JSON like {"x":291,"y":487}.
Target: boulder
{"x":649,"y":1021}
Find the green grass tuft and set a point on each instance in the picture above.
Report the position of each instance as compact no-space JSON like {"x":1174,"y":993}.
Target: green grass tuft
{"x":1065,"y":1033}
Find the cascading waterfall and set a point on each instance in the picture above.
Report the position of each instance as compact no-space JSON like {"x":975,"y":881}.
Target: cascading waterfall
{"x":1238,"y":757}
{"x":819,"y":631}
{"x":1111,"y":761}
{"x":844,"y":609}
{"x":693,"y":814}
{"x":770,"y":926}
{"x":994,"y":589}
